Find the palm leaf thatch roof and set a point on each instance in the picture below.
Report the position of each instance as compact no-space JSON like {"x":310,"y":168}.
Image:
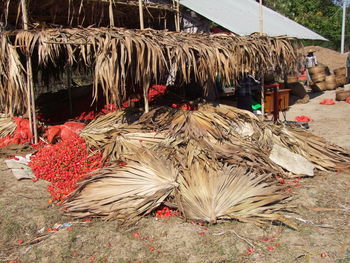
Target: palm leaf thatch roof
{"x":125,"y":61}
{"x":73,"y":13}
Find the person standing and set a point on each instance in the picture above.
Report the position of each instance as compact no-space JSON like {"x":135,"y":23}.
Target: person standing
{"x":348,"y":66}
{"x":310,"y":61}
{"x":246,"y":86}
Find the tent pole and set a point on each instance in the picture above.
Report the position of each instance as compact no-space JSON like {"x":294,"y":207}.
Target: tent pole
{"x":111,"y":15}
{"x":261,"y":18}
{"x":343,"y":28}
{"x":142,"y":25}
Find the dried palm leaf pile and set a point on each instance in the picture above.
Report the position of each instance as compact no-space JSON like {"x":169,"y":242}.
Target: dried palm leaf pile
{"x":7,"y":126}
{"x":125,"y":60}
{"x":213,"y":163}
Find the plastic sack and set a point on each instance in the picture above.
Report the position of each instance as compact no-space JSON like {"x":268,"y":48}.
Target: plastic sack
{"x":327,"y":102}
{"x":65,"y":132}
{"x":303,"y":118}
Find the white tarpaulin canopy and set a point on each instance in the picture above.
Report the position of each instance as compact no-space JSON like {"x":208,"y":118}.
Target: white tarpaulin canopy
{"x":242,"y":17}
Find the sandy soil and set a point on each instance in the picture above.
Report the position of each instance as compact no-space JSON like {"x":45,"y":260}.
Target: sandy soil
{"x":328,"y":57}
{"x":320,"y":206}
{"x":330,"y":121}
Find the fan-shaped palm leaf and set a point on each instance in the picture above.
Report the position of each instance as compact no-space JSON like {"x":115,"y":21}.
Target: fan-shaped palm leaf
{"x":125,"y":192}
{"x":232,"y":193}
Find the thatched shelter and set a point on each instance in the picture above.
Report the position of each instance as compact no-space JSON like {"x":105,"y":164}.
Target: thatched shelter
{"x":157,"y":14}
{"x":122,"y":61}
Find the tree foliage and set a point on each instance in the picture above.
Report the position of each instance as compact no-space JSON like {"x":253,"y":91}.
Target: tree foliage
{"x":322,"y":16}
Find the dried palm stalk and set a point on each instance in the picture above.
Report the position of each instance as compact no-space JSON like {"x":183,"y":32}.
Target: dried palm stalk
{"x":231,"y":193}
{"x":125,"y":192}
{"x":7,"y":126}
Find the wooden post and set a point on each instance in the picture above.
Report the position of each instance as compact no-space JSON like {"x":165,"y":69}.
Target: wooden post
{"x":30,"y":85}
{"x":32,"y":96}
{"x":176,"y":6}
{"x":261,"y":30}
{"x":24,"y":14}
{"x":145,"y":99}
{"x":69,"y":85}
{"x":29,"y":100}
{"x":142,"y":25}
{"x":146,"y":85}
{"x":111,"y":15}
{"x":262,"y":98}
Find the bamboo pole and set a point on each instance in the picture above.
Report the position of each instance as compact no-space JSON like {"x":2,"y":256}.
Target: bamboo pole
{"x":142,"y":25}
{"x":111,"y":15}
{"x":30,"y":88}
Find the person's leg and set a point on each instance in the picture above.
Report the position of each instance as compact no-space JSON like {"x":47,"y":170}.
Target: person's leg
{"x":245,"y":102}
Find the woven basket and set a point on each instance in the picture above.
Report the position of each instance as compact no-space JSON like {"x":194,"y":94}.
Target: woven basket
{"x":331,"y":79}
{"x":292,"y":79}
{"x":331,"y":86}
{"x":331,"y":82}
{"x":340,"y":71}
{"x":341,"y":80}
{"x":316,"y":70}
{"x":320,"y":86}
{"x":318,"y":77}
{"x":342,"y":95}
{"x":297,"y":89}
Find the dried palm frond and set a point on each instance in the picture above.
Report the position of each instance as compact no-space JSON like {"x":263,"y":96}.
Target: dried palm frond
{"x":126,"y":146}
{"x":325,"y":156}
{"x":103,"y":130}
{"x":7,"y":126}
{"x":105,"y":123}
{"x":12,"y":79}
{"x":232,"y":193}
{"x":125,"y":192}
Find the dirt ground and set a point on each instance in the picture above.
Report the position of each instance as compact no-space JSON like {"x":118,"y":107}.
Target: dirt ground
{"x":328,"y":57}
{"x":320,"y":205}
